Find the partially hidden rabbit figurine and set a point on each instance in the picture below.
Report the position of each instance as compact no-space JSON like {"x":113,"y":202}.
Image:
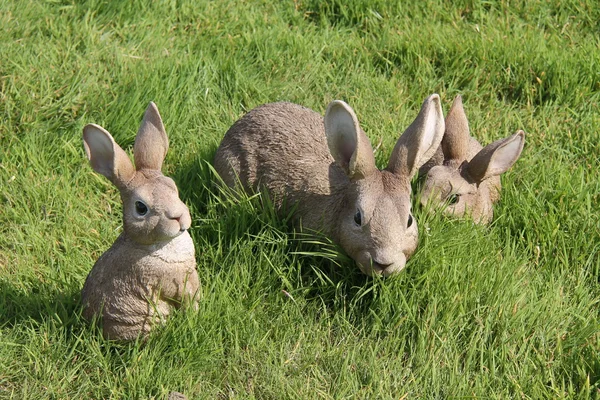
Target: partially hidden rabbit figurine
{"x":462,"y":177}
{"x":151,"y":267}
{"x":326,"y":169}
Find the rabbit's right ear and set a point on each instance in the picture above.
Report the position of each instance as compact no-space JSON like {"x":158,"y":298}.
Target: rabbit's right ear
{"x":105,"y":156}
{"x":455,"y":144}
{"x":496,"y":158}
{"x":348,"y":145}
{"x":420,"y":140}
{"x":151,"y":142}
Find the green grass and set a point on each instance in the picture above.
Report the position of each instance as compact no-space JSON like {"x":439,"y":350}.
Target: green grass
{"x":505,"y":311}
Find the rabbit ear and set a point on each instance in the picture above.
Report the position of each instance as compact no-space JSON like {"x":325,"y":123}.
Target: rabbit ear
{"x":420,"y":140}
{"x":151,"y":142}
{"x":347,"y":143}
{"x":455,"y":143}
{"x":497,"y":157}
{"x":105,"y":156}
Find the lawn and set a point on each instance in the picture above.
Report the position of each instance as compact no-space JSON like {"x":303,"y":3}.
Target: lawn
{"x":509,"y":310}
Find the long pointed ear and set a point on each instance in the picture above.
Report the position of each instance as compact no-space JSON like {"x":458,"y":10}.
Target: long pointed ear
{"x":105,"y":156}
{"x":497,"y":157}
{"x":151,"y":142}
{"x":455,"y":143}
{"x":347,"y":143}
{"x":420,"y":140}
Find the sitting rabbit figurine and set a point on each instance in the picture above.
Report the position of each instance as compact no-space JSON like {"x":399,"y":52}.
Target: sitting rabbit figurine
{"x":151,"y":267}
{"x":462,"y":177}
{"x":326,"y":169}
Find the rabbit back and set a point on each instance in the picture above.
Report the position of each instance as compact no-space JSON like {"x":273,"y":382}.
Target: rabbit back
{"x":281,"y":147}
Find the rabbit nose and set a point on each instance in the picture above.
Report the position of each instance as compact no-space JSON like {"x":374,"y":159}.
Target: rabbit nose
{"x":177,"y":217}
{"x":380,"y":266}
{"x":183,"y":219}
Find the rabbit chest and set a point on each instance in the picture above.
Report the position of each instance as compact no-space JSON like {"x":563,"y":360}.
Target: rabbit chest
{"x":132,"y":283}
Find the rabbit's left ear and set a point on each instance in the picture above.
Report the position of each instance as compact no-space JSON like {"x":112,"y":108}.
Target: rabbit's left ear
{"x":107,"y":157}
{"x":151,"y":142}
{"x":496,"y":158}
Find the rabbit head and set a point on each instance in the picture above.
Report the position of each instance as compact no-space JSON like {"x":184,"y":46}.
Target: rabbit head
{"x":467,"y":182}
{"x":375,"y":225}
{"x":152,"y":210}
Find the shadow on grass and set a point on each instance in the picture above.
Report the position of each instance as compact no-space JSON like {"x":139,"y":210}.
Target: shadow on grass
{"x":194,"y":178}
{"x":39,"y":303}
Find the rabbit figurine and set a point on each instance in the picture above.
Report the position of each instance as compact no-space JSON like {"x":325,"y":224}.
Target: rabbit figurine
{"x":151,"y":267}
{"x":462,"y":177}
{"x":326,"y":169}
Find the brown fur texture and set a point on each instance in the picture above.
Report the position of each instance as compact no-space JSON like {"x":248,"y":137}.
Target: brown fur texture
{"x":325,"y":168}
{"x":462,"y":177}
{"x":151,"y":267}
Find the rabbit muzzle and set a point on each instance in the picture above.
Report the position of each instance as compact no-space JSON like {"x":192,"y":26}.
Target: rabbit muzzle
{"x":385,"y":267}
{"x":183,"y":218}
{"x":179,"y":220}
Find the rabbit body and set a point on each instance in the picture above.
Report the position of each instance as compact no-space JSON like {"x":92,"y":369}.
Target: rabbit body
{"x":135,"y":286}
{"x":302,"y":170}
{"x":324,"y":170}
{"x":151,"y":268}
{"x":462,"y":177}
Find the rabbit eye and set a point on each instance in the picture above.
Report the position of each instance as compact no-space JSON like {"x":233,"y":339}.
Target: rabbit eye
{"x":358,"y":218}
{"x":141,"y":208}
{"x":453,"y":199}
{"x":410,"y":221}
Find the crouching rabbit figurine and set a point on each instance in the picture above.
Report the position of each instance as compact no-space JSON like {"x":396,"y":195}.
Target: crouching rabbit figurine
{"x":326,"y":168}
{"x":151,"y":267}
{"x":463,"y":177}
